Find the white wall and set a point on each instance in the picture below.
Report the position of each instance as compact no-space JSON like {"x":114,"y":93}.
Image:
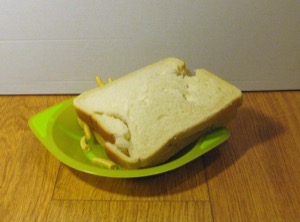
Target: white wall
{"x":59,"y":46}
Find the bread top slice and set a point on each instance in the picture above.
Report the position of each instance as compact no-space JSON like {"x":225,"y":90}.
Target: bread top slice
{"x":149,"y":115}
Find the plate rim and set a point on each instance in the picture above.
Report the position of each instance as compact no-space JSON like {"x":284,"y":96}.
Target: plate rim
{"x":44,"y":130}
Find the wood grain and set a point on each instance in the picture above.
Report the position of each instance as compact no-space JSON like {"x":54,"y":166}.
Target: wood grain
{"x":254,"y":176}
{"x":130,"y":211}
{"x":27,"y":171}
{"x":186,"y":183}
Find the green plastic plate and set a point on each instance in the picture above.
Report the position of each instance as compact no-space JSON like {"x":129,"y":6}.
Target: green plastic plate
{"x":58,"y":130}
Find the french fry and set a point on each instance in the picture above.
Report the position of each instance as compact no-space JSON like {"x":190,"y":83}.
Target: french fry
{"x":104,"y":162}
{"x":87,"y":131}
{"x":83,"y":144}
{"x":99,"y":82}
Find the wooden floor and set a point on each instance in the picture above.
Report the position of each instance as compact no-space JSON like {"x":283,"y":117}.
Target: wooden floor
{"x":254,"y":176}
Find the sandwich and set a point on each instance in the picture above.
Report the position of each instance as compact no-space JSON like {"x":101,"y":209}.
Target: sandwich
{"x":146,"y":117}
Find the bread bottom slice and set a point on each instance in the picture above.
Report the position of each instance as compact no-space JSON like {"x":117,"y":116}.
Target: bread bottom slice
{"x":173,"y":147}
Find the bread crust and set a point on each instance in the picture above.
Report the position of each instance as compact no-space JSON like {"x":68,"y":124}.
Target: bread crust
{"x":119,"y":158}
{"x":91,"y":121}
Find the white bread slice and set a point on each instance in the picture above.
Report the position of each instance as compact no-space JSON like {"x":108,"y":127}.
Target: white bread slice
{"x":145,"y":117}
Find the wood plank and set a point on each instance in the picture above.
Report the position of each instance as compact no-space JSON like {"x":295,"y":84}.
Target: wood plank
{"x":27,"y":171}
{"x":255,"y":176}
{"x":185,"y":183}
{"x":130,"y":211}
